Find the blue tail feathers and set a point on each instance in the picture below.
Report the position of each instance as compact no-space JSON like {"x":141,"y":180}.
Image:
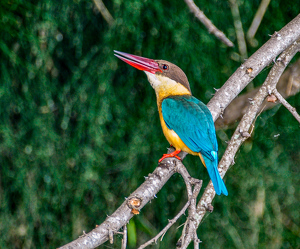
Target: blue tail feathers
{"x":212,"y":168}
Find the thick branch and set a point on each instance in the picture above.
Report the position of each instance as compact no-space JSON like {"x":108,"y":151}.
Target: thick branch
{"x":146,"y":192}
{"x":123,"y":214}
{"x":253,"y":66}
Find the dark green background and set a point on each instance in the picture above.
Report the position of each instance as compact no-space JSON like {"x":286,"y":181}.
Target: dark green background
{"x":79,"y":129}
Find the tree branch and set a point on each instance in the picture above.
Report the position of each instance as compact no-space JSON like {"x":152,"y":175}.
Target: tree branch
{"x":191,"y":204}
{"x":257,"y":19}
{"x":288,"y":85}
{"x":104,"y":12}
{"x":123,"y":214}
{"x":287,"y":105}
{"x":189,"y":232}
{"x":166,"y":228}
{"x":238,"y":29}
{"x":253,"y":66}
{"x":124,"y":240}
{"x":146,"y":192}
{"x":167,"y":168}
{"x":242,"y":132}
{"x":207,"y":23}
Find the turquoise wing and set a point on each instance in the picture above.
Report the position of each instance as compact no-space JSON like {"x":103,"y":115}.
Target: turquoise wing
{"x":193,"y":123}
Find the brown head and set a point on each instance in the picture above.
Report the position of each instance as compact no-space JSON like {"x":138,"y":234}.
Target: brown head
{"x":166,"y":78}
{"x":173,"y":72}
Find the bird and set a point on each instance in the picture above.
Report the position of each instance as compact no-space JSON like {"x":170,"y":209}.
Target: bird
{"x":186,"y":122}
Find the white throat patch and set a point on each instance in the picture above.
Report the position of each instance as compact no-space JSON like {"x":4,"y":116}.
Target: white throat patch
{"x":153,"y":80}
{"x":165,"y":86}
{"x":160,"y":82}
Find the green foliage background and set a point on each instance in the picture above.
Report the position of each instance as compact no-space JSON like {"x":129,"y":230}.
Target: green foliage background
{"x":79,"y":129}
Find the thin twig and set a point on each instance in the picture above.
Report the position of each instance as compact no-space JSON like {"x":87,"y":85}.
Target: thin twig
{"x":104,"y":12}
{"x":124,"y":240}
{"x":257,"y":19}
{"x":166,"y":228}
{"x":189,"y":181}
{"x":287,"y":105}
{"x":207,"y":23}
{"x":238,"y":29}
{"x":189,"y":231}
{"x":192,"y":195}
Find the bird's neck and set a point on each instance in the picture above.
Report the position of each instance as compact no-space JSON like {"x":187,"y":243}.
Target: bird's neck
{"x":164,"y":93}
{"x":165,"y":87}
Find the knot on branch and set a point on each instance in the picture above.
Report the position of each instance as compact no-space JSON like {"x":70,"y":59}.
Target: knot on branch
{"x":272,"y":98}
{"x":179,"y":243}
{"x":134,"y":203}
{"x":208,"y":207}
{"x":249,"y":70}
{"x":245,"y":134}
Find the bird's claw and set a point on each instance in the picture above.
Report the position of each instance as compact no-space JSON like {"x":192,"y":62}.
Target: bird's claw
{"x":172,"y":154}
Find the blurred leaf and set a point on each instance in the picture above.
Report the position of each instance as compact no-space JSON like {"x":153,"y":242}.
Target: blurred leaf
{"x":132,"y":235}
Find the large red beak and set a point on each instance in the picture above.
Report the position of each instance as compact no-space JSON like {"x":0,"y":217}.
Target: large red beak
{"x":139,"y":62}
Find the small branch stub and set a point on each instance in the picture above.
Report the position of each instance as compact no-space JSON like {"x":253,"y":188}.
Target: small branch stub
{"x":245,"y":134}
{"x":111,"y":236}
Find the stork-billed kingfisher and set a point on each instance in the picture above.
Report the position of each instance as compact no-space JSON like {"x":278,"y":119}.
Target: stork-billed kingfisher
{"x":186,"y":122}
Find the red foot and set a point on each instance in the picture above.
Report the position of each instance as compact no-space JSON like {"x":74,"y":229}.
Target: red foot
{"x":173,"y":154}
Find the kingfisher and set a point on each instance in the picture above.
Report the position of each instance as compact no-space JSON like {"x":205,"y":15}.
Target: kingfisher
{"x":186,"y":122}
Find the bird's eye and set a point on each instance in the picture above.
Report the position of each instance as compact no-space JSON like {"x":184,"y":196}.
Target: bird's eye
{"x":165,"y":67}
